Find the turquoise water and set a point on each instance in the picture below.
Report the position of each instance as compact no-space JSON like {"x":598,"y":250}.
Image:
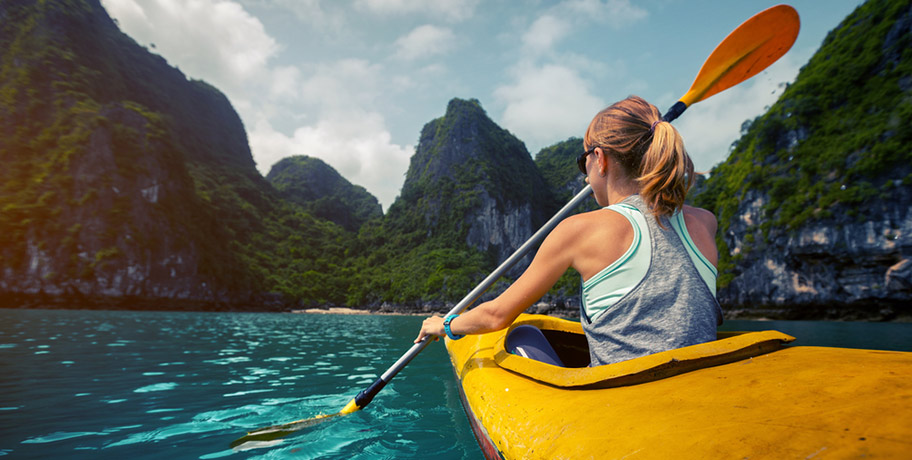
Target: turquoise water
{"x":101,"y":384}
{"x":134,"y":385}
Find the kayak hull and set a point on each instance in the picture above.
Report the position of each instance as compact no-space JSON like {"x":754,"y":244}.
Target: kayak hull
{"x":792,"y":402}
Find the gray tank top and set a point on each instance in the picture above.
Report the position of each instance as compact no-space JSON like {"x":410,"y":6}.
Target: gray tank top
{"x":672,"y":307}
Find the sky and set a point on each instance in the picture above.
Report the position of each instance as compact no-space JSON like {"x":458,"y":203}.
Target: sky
{"x":353,"y":82}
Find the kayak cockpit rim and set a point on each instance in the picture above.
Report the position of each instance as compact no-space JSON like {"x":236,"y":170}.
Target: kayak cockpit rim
{"x":569,"y":341}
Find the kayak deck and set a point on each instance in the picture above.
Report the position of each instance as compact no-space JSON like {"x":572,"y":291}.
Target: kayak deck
{"x":794,"y":402}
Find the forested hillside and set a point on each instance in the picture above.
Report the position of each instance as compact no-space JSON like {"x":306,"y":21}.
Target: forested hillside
{"x":125,"y":184}
{"x":472,"y":194}
{"x":814,"y":201}
{"x":323,"y":192}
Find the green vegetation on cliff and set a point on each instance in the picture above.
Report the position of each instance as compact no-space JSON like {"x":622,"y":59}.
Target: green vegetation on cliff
{"x":836,"y":139}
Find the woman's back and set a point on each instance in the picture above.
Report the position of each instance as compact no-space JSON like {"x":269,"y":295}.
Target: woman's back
{"x":659,"y":295}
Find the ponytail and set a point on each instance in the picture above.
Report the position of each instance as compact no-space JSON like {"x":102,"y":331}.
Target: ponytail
{"x":650,"y":150}
{"x":666,"y":171}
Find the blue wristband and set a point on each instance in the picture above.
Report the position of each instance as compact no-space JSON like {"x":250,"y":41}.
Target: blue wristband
{"x":446,"y":327}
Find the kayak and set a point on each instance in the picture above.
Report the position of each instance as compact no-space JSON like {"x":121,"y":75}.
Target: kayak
{"x":745,"y":395}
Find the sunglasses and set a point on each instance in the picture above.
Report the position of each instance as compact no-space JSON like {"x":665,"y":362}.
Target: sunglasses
{"x":581,"y":159}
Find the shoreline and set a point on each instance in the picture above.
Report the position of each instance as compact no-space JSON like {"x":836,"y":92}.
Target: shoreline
{"x":355,"y":311}
{"x":855,"y":313}
{"x":734,"y":314}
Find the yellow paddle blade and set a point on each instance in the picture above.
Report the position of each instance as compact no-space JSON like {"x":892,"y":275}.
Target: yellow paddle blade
{"x":747,"y":50}
{"x":257,"y":438}
{"x":352,"y":406}
{"x":261,"y":437}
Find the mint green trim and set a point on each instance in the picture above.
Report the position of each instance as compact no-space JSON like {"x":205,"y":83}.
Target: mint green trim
{"x":706,"y":269}
{"x":691,"y":246}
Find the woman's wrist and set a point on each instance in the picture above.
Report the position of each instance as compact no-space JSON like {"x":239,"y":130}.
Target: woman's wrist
{"x":446,"y":327}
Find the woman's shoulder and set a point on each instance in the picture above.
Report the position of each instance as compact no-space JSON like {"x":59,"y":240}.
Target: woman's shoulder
{"x":700,"y":216}
{"x":600,"y":223}
{"x":595,"y":239}
{"x":601,"y":217}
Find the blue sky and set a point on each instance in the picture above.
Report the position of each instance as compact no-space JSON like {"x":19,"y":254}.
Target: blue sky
{"x":353,"y":81}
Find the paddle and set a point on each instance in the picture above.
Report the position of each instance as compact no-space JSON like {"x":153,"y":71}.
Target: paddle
{"x":750,"y":48}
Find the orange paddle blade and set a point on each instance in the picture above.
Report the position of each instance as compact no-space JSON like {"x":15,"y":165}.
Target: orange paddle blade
{"x":747,"y":50}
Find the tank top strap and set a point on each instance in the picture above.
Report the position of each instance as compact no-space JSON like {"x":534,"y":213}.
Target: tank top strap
{"x":612,"y":283}
{"x":704,"y":267}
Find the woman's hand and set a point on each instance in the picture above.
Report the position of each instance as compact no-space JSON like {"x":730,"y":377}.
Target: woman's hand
{"x":431,"y":326}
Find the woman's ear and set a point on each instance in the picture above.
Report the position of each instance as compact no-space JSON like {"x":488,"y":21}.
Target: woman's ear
{"x":602,"y":162}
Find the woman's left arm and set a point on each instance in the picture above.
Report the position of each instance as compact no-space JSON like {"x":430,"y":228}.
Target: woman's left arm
{"x":551,"y":261}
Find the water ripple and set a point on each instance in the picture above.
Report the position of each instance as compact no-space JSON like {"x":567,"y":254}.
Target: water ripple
{"x":156,"y":387}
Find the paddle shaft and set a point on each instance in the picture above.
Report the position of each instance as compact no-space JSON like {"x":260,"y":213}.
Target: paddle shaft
{"x":364,"y":397}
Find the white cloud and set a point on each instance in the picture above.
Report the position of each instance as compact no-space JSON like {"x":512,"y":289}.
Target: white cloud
{"x":285,"y":80}
{"x":344,"y":129}
{"x":557,"y":22}
{"x":544,"y":33}
{"x":711,"y":126}
{"x":548,"y":100}
{"x":547,"y":104}
{"x":342,"y":85}
{"x":424,"y":41}
{"x":358,"y":146}
{"x":212,"y":40}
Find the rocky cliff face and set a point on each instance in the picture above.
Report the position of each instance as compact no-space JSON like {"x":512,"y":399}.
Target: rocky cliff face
{"x":123,"y":243}
{"x":503,"y":230}
{"x":471,"y":176}
{"x":814,"y":202}
{"x":110,"y":157}
{"x":842,"y":267}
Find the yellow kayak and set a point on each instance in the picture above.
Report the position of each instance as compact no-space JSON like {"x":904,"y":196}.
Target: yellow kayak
{"x":742,"y":396}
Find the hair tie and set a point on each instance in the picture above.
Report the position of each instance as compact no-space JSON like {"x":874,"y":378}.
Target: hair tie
{"x":653,"y":127}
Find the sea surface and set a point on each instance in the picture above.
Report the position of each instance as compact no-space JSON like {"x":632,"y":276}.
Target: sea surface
{"x":152,"y":385}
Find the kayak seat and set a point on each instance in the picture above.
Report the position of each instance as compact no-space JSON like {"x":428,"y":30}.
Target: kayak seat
{"x":529,"y":342}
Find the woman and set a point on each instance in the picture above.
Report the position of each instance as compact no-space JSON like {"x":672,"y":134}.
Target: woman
{"x":648,"y":262}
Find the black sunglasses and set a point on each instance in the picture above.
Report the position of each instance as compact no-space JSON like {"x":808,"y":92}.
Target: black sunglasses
{"x":581,"y":159}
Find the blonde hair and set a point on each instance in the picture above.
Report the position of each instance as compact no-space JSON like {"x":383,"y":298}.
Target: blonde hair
{"x":650,"y":150}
